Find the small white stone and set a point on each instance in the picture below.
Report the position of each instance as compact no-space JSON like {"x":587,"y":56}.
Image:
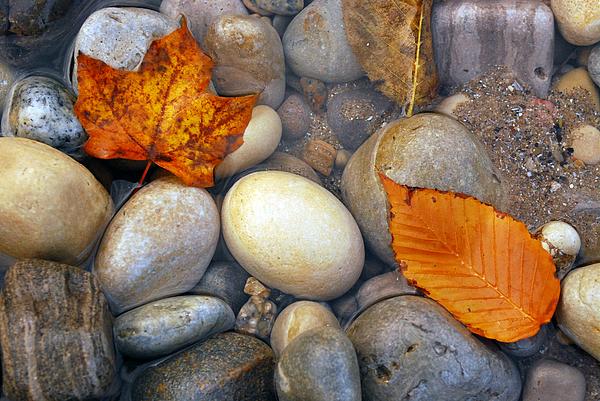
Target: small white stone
{"x":561,"y":236}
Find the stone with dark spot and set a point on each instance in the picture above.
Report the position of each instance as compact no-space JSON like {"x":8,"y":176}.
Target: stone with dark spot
{"x":471,"y":36}
{"x":549,"y":380}
{"x":55,"y":333}
{"x":226,"y":367}
{"x":319,"y":364}
{"x":225,"y":280}
{"x":410,"y":348}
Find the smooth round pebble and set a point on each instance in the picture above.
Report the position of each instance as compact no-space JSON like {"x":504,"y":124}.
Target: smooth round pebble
{"x":159,"y":244}
{"x":594,"y":64}
{"x":261,"y":138}
{"x":578,"y":20}
{"x":225,"y":280}
{"x":578,"y":312}
{"x":51,"y":206}
{"x":528,"y":346}
{"x":295,"y":117}
{"x":297,"y":318}
{"x":381,"y":287}
{"x":41,"y":108}
{"x":586,"y":144}
{"x":120,"y":36}
{"x":561,"y":236}
{"x":293,"y":235}
{"x":320,"y":364}
{"x":576,"y":80}
{"x":342,"y":157}
{"x":449,"y":105}
{"x":315,"y":44}
{"x":162,"y":327}
{"x":549,"y":380}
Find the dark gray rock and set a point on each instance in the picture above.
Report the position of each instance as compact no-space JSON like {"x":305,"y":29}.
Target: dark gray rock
{"x":470,"y":36}
{"x":226,"y":367}
{"x":163,"y":327}
{"x":55,"y":333}
{"x":3,"y":16}
{"x":594,"y":64}
{"x":295,"y":117}
{"x":280,"y":23}
{"x":528,"y":346}
{"x":356,"y":114}
{"x":318,"y":365}
{"x":225,"y":280}
{"x":381,"y":287}
{"x":411,"y":348}
{"x":31,"y":17}
{"x":548,"y":380}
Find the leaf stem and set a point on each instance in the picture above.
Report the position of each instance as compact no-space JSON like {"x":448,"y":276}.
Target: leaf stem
{"x":415,"y":83}
{"x":141,"y":181}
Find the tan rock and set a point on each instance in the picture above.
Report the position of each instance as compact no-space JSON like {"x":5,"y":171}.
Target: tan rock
{"x":586,"y":144}
{"x":449,"y":105}
{"x":285,"y":162}
{"x":261,"y":138}
{"x":51,"y":207}
{"x":292,"y":235}
{"x":578,"y":20}
{"x":298,"y":318}
{"x":427,"y":150}
{"x":159,"y":244}
{"x":578,"y":79}
{"x":578,"y":311}
{"x":320,"y":155}
{"x":342,"y":158}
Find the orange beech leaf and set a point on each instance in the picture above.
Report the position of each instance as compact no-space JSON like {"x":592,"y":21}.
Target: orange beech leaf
{"x":162,"y":112}
{"x":483,"y":266}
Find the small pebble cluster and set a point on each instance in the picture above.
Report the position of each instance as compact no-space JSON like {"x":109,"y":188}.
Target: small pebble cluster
{"x":280,"y":283}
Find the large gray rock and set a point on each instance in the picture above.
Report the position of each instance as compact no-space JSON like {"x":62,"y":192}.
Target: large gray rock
{"x":248,"y":58}
{"x":315,"y":44}
{"x":162,"y":327}
{"x":470,"y":36}
{"x":55,"y":333}
{"x":410,"y":348}
{"x":318,"y":365}
{"x":594,"y":64}
{"x":226,"y":367}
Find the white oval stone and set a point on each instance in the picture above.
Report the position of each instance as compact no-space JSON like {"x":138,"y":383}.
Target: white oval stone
{"x":159,"y":244}
{"x":293,"y":235}
{"x":562,"y":236}
{"x":261,"y":138}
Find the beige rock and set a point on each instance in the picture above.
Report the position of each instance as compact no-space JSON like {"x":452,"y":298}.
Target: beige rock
{"x":427,"y":150}
{"x":578,"y":20}
{"x":292,"y":235}
{"x":159,"y":244}
{"x":449,"y":105}
{"x":297,"y":318}
{"x":320,"y":155}
{"x":51,"y":207}
{"x":562,"y":242}
{"x":261,"y":138}
{"x":285,"y":162}
{"x":586,"y":144}
{"x":578,"y":311}
{"x":342,"y":158}
{"x":578,"y":79}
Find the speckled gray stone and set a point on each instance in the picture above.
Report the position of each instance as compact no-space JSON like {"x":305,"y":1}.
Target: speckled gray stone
{"x":225,"y":280}
{"x":120,"y":37}
{"x":594,"y":64}
{"x":162,"y":327}
{"x":226,"y":367}
{"x":41,"y":108}
{"x":280,"y":7}
{"x":315,"y":44}
{"x":248,"y":58}
{"x":548,"y":380}
{"x":318,"y":365}
{"x":410,"y":348}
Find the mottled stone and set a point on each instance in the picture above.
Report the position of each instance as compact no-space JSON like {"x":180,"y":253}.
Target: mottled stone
{"x":201,"y":13}
{"x":159,"y":244}
{"x":594,"y":64}
{"x":578,"y":20}
{"x":280,"y":7}
{"x":256,"y":317}
{"x":420,"y":151}
{"x":384,"y":286}
{"x":226,"y":281}
{"x":356,"y":114}
{"x":248,"y":58}
{"x":228,"y":366}
{"x":295,"y":117}
{"x":126,"y":34}
{"x":31,"y":17}
{"x":315,"y":92}
{"x":41,"y":109}
{"x":163,"y":327}
{"x":55,"y":332}
{"x":471,"y":36}
{"x":315,"y":44}
{"x":320,"y":364}
{"x":411,"y":348}
{"x":548,"y":380}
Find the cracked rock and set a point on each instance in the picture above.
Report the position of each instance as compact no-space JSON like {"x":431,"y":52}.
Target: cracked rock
{"x":409,"y":348}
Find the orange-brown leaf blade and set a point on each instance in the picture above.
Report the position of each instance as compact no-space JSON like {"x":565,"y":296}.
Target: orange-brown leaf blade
{"x":484,"y":267}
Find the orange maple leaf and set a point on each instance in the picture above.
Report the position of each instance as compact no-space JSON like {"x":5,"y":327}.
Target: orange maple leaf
{"x":483,"y":266}
{"x":162,"y":112}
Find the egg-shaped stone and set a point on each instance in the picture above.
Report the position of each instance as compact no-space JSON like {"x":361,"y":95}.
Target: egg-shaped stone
{"x":292,"y":235}
{"x":159,"y":244}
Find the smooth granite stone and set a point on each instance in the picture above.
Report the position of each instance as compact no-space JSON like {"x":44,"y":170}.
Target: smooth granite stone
{"x":549,"y":380}
{"x":55,"y":333}
{"x":318,"y":365}
{"x":162,"y":327}
{"x":225,"y":280}
{"x":410,"y":348}
{"x":41,"y":109}
{"x":226,"y":367}
{"x":471,"y":36}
